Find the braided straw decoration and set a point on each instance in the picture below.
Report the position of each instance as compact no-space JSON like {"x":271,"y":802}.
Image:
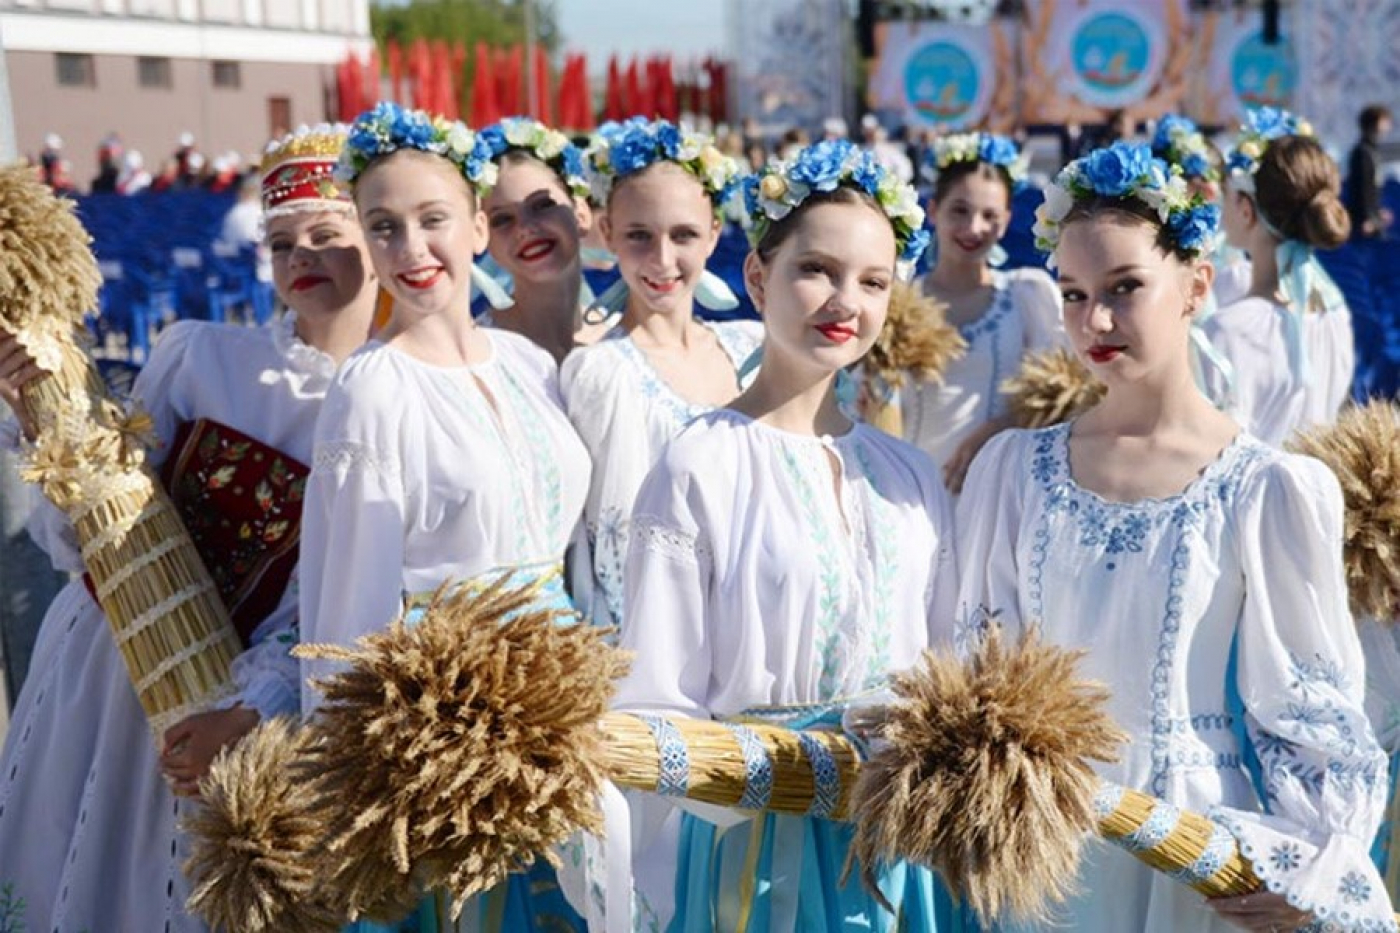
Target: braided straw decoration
{"x":777,"y":774}
{"x":172,"y":628}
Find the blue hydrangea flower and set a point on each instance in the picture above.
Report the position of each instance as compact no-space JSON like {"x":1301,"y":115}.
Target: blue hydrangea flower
{"x":867,"y":173}
{"x":998,"y":150}
{"x":633,"y":152}
{"x":916,"y":244}
{"x":670,"y":138}
{"x":1113,"y":171}
{"x":1195,"y":165}
{"x":1195,"y":228}
{"x":495,"y":138}
{"x":820,"y":165}
{"x":573,"y":162}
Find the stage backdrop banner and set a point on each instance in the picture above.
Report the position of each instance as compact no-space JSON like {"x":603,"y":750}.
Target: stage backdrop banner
{"x":1347,"y":59}
{"x":1240,"y":70}
{"x":944,"y":76}
{"x":1082,"y":59}
{"x":790,"y":58}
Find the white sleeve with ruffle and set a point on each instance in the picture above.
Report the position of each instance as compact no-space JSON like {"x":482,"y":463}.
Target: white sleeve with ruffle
{"x":988,"y":526}
{"x":351,"y":573}
{"x":1301,"y":678}
{"x":266,"y":675}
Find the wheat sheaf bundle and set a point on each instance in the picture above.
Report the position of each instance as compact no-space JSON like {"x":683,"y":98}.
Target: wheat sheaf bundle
{"x":254,"y":842}
{"x":985,"y":777}
{"x":1052,"y":387}
{"x":167,"y":620}
{"x":463,"y":747}
{"x":916,"y":341}
{"x":1363,"y":450}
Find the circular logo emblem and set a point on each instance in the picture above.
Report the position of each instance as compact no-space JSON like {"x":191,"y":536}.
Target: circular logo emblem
{"x":1112,"y":56}
{"x":943,"y":84}
{"x":1263,"y":75}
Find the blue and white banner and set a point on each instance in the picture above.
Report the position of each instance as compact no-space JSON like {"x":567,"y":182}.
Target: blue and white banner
{"x":939,"y":75}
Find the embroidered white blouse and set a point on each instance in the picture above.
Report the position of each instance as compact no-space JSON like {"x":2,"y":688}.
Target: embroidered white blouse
{"x":1268,"y":397}
{"x":1219,"y":619}
{"x":421,"y":477}
{"x":625,"y":413}
{"x":1024,"y":317}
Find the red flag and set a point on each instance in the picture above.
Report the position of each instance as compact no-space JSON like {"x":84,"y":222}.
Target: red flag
{"x":615,"y":104}
{"x":486,"y":109}
{"x":395,"y":56}
{"x":509,"y":74}
{"x":420,"y":72}
{"x":373,"y":70}
{"x":632,"y":89}
{"x":349,"y":88}
{"x":583,"y":99}
{"x":540,"y":106}
{"x":667,"y":100}
{"x":444,"y":87}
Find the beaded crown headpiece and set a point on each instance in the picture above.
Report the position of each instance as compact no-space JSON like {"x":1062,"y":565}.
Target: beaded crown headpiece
{"x":298,"y":171}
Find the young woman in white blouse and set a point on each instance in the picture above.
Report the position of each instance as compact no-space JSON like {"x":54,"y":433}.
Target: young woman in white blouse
{"x":89,"y":807}
{"x":1002,"y":315}
{"x":1198,"y":568}
{"x":661,"y":366}
{"x":442,"y":451}
{"x":1289,"y":340}
{"x":784,"y":560}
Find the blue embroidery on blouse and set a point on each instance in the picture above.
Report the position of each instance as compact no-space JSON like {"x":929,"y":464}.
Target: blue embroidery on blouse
{"x":1286,"y":856}
{"x":1121,"y":530}
{"x":1354,"y":889}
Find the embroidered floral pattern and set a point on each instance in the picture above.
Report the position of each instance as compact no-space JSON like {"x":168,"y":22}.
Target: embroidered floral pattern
{"x":1353,"y":888}
{"x":1286,"y":857}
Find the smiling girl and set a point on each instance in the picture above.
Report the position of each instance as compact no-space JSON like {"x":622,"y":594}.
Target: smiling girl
{"x":1001,"y":315}
{"x":440,"y":452}
{"x":89,"y":807}
{"x":537,"y":214}
{"x":784,"y":560}
{"x":1199,"y":570}
{"x":661,"y":367}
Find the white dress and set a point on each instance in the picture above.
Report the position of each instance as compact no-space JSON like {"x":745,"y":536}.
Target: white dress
{"x":625,"y":413}
{"x":87,"y":824}
{"x":753,"y":585}
{"x":1023,"y":317}
{"x":418,"y":480}
{"x":1268,"y":397}
{"x":1219,"y":619}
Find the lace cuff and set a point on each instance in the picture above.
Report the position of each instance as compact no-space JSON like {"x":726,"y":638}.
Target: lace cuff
{"x":1331,"y":877}
{"x":345,"y":456}
{"x":668,"y":541}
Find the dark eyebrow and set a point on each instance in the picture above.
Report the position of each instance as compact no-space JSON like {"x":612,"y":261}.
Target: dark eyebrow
{"x":1119,"y":270}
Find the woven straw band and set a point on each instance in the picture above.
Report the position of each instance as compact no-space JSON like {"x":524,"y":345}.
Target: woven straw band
{"x":1185,"y":845}
{"x":749,"y":766}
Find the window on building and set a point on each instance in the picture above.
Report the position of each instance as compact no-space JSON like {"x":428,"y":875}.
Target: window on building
{"x":75,"y":70}
{"x":153,"y":72}
{"x":226,"y":74}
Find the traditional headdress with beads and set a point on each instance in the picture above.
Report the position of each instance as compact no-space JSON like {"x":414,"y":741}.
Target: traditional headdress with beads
{"x":298,"y":172}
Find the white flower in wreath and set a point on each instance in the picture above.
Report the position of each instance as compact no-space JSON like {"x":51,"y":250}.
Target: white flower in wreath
{"x":693,"y":147}
{"x":960,"y":147}
{"x":521,"y":133}
{"x":552,"y":145}
{"x":459,"y":141}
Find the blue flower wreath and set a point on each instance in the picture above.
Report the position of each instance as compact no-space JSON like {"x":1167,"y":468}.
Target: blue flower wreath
{"x":1179,"y":142}
{"x":1129,"y":171}
{"x":779,"y":187}
{"x":390,"y":127}
{"x":1261,"y":126}
{"x":979,"y":147}
{"x":622,"y":149}
{"x":550,"y":146}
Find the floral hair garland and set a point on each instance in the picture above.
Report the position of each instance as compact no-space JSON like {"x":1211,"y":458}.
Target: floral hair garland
{"x":390,"y":127}
{"x":1129,"y":171}
{"x":550,"y":146}
{"x":777,"y":189}
{"x":979,"y":147}
{"x":1179,"y":142}
{"x":622,"y":149}
{"x":1261,"y":126}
